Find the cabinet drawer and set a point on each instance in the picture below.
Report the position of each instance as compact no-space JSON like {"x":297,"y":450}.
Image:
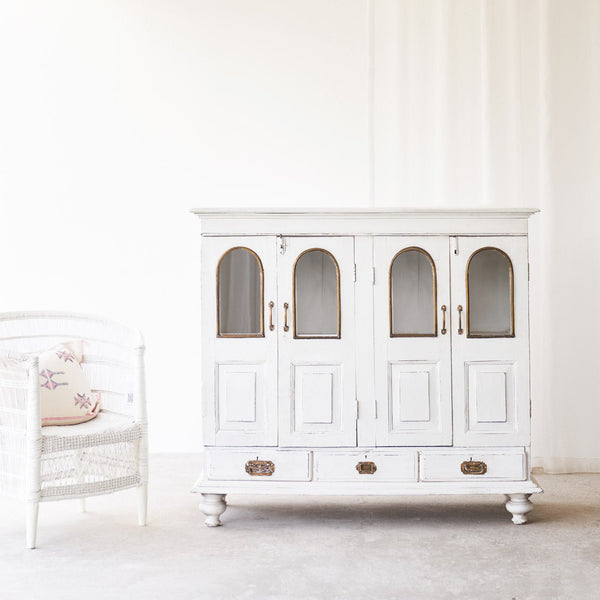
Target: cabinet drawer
{"x":258,"y":464}
{"x":372,"y":466}
{"x":484,"y":464}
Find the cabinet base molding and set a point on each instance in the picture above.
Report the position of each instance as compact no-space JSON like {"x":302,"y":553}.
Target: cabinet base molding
{"x":422,"y":488}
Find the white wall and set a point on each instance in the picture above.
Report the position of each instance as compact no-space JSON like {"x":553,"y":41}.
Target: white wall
{"x":116,"y":117}
{"x":569,"y":364}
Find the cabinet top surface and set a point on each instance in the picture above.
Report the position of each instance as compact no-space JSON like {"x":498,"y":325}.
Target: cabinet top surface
{"x":363,"y":221}
{"x":384,"y":212}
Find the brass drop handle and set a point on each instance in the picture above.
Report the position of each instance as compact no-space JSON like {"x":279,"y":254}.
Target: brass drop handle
{"x":285,"y":309}
{"x":473,"y":467}
{"x":366,"y":468}
{"x":460,"y":329}
{"x":271,"y":305}
{"x":444,"y":330}
{"x":260,"y":468}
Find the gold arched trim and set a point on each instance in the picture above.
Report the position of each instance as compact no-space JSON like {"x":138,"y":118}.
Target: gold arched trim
{"x":339,"y":309}
{"x":512,"y":295}
{"x":434,"y":274}
{"x":262,"y":297}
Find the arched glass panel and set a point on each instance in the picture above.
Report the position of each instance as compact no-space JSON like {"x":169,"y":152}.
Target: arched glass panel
{"x":240,"y":294}
{"x":490,"y":306}
{"x":413,"y":294}
{"x":316,"y":295}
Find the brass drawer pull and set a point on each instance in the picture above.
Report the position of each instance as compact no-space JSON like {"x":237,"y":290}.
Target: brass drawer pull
{"x":260,"y":467}
{"x":473,"y":467}
{"x":366,"y":468}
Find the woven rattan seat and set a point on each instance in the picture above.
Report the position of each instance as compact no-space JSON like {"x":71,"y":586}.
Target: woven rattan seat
{"x":104,"y":455}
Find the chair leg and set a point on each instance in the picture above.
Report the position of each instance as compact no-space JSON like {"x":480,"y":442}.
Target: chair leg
{"x":142,"y":492}
{"x":31,"y":521}
{"x":78,"y":463}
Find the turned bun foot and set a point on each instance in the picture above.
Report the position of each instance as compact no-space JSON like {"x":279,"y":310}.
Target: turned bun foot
{"x":213,"y":506}
{"x":519,"y":505}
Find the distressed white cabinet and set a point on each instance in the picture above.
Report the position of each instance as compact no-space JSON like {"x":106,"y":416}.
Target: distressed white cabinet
{"x":365,"y":352}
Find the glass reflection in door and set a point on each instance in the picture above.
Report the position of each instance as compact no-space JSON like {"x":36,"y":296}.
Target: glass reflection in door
{"x":413,"y":294}
{"x":240,"y":294}
{"x":490,"y":301}
{"x":316,"y":295}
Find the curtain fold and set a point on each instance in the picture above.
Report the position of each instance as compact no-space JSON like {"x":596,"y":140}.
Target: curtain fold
{"x":495,"y":104}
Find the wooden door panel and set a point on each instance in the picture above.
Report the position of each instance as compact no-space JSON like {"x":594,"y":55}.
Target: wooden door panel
{"x":412,"y":356}
{"x":317,"y":385}
{"x":491,"y":396}
{"x":317,"y":398}
{"x":241,"y":396}
{"x":491,"y":360}
{"x":414,"y":395}
{"x":239,"y":370}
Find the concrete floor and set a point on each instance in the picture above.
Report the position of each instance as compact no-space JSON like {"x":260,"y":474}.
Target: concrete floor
{"x":288,"y":548}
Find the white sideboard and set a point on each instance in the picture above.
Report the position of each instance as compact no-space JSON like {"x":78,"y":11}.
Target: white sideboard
{"x":369,"y":352}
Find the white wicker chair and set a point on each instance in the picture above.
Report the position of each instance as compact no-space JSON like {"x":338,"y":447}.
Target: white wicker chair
{"x":107,"y":454}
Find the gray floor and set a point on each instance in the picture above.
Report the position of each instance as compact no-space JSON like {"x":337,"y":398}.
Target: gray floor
{"x":283,"y":547}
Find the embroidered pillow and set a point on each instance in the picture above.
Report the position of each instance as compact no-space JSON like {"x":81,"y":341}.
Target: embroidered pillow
{"x":65,"y":394}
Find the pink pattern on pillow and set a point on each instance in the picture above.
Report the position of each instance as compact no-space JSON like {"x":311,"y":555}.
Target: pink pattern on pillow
{"x":74,"y":420}
{"x":65,"y":395}
{"x":83,"y":401}
{"x":66,"y":355}
{"x":50,"y":383}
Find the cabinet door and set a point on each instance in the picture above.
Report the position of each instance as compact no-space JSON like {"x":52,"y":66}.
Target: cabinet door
{"x":412,"y":341}
{"x":316,"y":342}
{"x":239,"y":351}
{"x":490,"y":340}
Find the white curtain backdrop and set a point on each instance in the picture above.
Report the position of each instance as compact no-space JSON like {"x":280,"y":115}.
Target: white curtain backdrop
{"x":497,"y":103}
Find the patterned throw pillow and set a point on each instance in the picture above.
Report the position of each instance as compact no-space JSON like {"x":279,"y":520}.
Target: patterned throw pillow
{"x":65,"y":394}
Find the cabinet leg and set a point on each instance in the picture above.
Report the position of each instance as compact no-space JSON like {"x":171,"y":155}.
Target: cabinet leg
{"x":213,"y":506}
{"x":519,"y":505}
